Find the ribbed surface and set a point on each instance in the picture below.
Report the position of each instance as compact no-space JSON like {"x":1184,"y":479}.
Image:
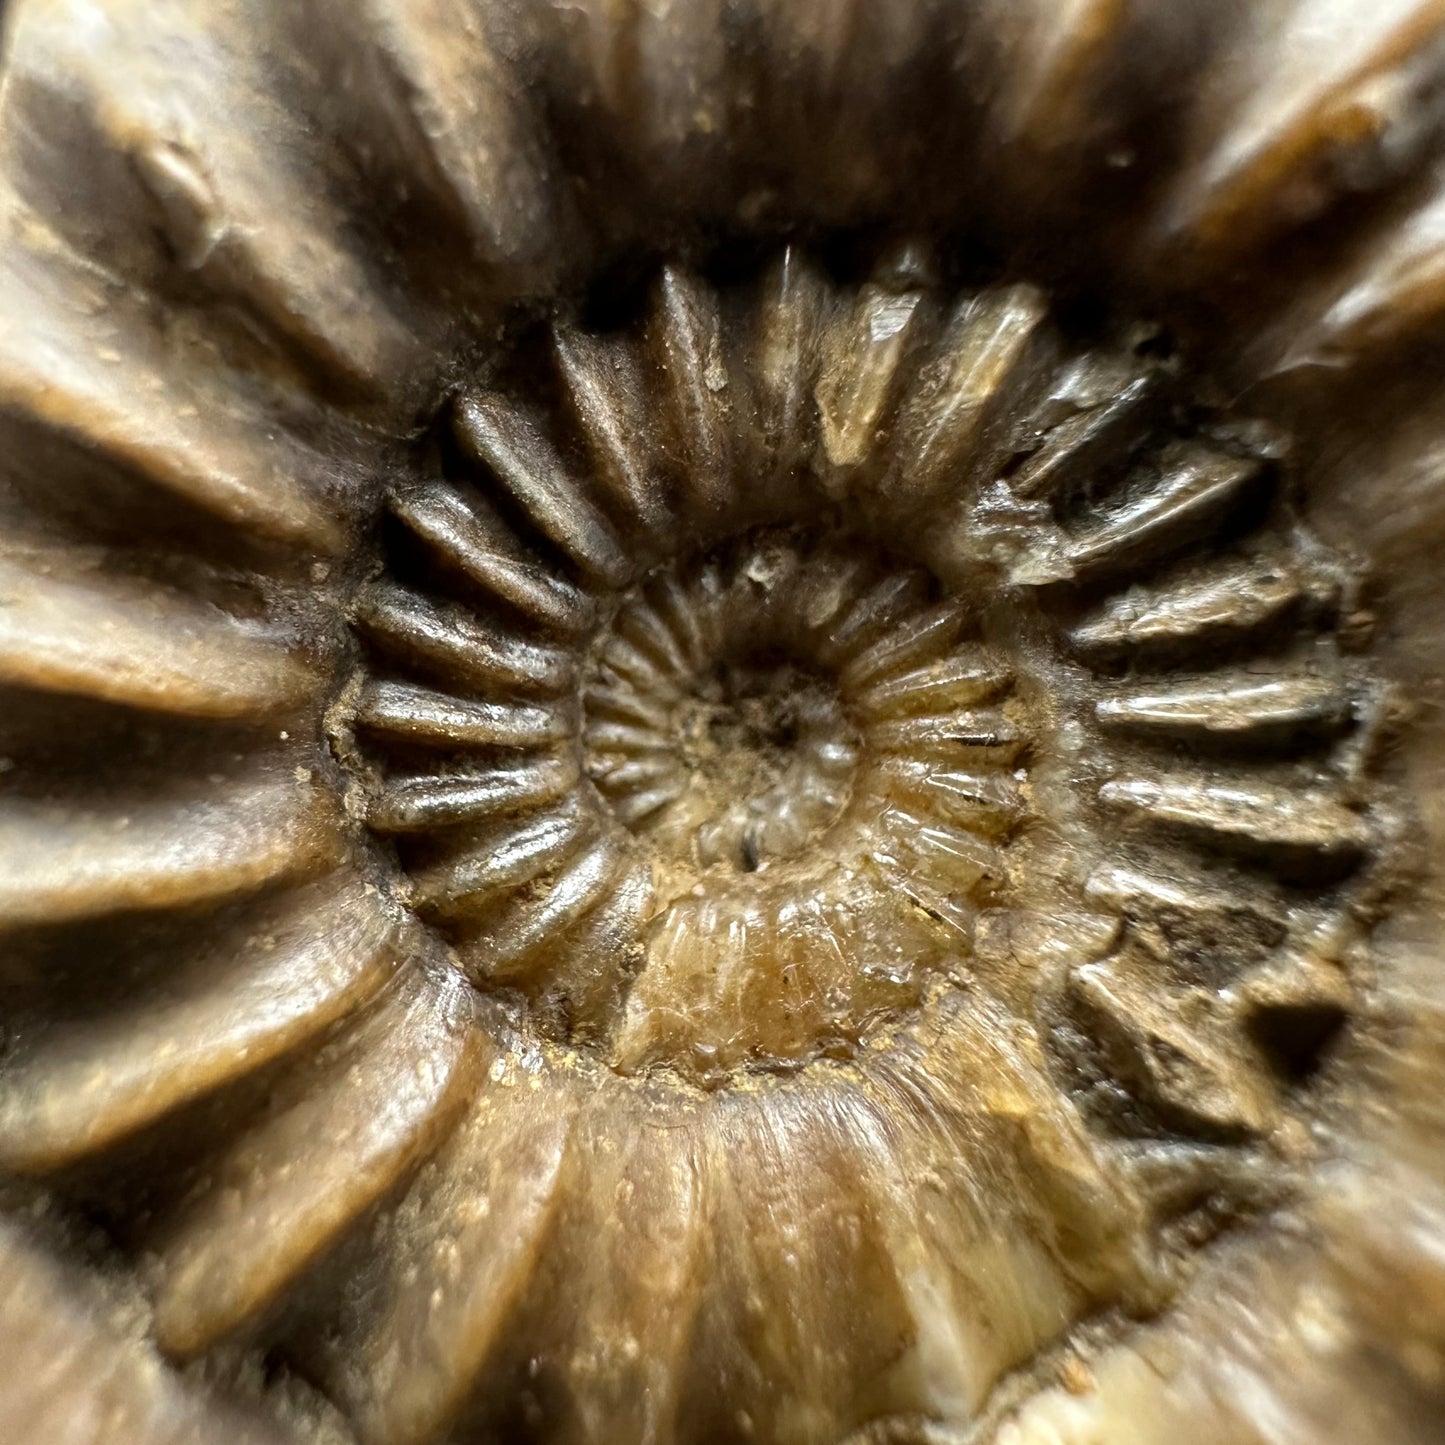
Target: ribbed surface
{"x":613,"y":829}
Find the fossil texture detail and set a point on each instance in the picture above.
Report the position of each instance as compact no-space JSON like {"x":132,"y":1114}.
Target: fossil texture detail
{"x":663,"y":779}
{"x":803,"y":671}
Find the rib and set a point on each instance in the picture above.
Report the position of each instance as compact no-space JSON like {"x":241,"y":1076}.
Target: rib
{"x":361,"y":1121}
{"x":604,"y":386}
{"x":203,"y":843}
{"x":406,"y":1371}
{"x":1234,"y":599}
{"x":529,"y":467}
{"x":685,"y":334}
{"x":530,"y":918}
{"x":422,"y":715}
{"x":275,"y":980}
{"x":1195,"y":486}
{"x":992,"y":350}
{"x":477,"y":656}
{"x":65,"y":630}
{"x":1260,"y":816}
{"x":413,"y":804}
{"x":505,"y":856}
{"x":1234,"y":704}
{"x":463,"y":529}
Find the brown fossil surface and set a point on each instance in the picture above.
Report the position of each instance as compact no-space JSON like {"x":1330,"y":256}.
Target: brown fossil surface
{"x":720,"y":720}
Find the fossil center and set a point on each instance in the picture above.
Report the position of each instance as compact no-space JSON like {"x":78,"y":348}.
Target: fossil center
{"x":767,"y":753}
{"x":714,"y":725}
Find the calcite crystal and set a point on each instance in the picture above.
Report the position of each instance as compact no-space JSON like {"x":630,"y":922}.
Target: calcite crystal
{"x":719,"y":721}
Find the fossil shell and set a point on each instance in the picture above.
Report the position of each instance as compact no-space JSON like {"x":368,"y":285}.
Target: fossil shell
{"x":717,"y":721}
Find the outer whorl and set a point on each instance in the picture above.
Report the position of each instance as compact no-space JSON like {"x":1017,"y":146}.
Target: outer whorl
{"x":719,"y":722}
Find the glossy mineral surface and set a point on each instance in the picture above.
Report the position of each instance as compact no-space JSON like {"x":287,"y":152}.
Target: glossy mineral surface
{"x":907,"y":620}
{"x":669,"y":772}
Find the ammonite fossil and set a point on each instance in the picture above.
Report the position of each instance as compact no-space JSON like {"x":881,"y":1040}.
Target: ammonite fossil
{"x":719,"y":721}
